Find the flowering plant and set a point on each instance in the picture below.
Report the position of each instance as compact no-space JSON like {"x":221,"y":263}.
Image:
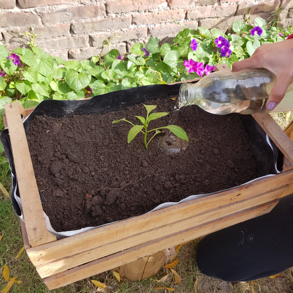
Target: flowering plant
{"x":30,"y":75}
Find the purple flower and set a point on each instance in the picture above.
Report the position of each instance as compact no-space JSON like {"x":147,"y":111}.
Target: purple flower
{"x":222,"y":42}
{"x":209,"y":69}
{"x":15,"y":59}
{"x":193,"y":45}
{"x":225,"y":52}
{"x":257,"y":30}
{"x":194,"y":66}
{"x":280,"y":34}
{"x":119,"y":56}
{"x":90,"y":90}
{"x":2,"y":73}
{"x":147,"y":53}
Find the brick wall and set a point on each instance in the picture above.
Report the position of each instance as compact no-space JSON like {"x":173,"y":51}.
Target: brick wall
{"x":76,"y":29}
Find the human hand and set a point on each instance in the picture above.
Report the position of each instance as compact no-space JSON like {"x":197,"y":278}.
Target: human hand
{"x":277,"y":58}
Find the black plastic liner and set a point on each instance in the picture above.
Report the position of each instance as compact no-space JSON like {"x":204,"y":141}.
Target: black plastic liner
{"x":268,"y":156}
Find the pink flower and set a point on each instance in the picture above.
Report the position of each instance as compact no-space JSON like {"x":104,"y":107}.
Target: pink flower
{"x":193,"y":45}
{"x":119,"y":56}
{"x":280,"y":34}
{"x":209,"y":69}
{"x":194,"y":66}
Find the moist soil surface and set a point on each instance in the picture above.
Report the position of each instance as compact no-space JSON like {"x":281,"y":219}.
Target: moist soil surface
{"x":90,"y":176}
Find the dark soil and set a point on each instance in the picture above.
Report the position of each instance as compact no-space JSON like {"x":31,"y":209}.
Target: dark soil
{"x":90,"y":176}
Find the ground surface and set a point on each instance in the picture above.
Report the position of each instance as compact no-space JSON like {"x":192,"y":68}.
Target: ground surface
{"x":89,"y":175}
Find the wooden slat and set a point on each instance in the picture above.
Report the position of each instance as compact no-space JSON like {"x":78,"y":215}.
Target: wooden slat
{"x":151,"y":247}
{"x":24,"y":235}
{"x":127,"y":228}
{"x":278,"y":136}
{"x":31,"y":204}
{"x":64,"y":264}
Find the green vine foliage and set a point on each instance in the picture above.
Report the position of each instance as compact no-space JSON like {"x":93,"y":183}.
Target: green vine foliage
{"x":39,"y":76}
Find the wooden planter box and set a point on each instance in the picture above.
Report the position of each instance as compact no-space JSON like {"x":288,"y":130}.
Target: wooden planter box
{"x":62,"y":262}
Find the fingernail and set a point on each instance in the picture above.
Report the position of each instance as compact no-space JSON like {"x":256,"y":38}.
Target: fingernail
{"x":271,"y":106}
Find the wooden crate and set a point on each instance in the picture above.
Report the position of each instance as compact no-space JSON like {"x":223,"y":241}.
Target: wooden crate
{"x":62,"y":262}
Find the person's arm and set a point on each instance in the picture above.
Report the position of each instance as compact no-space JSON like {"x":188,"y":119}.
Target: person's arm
{"x":277,"y":58}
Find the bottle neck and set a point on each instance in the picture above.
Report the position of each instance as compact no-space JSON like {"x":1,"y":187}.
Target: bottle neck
{"x":189,"y":94}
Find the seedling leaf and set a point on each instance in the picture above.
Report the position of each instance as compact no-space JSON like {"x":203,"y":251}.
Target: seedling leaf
{"x":158,"y":115}
{"x":133,"y":132}
{"x":117,"y":276}
{"x":150,"y":108}
{"x":141,"y":119}
{"x":176,"y":276}
{"x":116,"y":121}
{"x":6,"y":273}
{"x":99,"y":284}
{"x":178,"y":131}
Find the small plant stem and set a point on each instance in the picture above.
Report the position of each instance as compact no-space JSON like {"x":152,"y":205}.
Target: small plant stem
{"x":145,"y":136}
{"x":151,"y":139}
{"x":156,"y":129}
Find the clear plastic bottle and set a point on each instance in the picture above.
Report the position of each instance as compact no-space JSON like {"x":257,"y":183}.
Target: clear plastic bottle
{"x":225,"y":92}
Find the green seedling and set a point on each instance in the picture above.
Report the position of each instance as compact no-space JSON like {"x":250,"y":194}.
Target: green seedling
{"x":136,"y":129}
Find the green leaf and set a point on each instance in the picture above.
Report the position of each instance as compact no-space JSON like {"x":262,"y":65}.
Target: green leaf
{"x":120,"y":67}
{"x":32,"y":96}
{"x":110,"y":57}
{"x":29,"y":104}
{"x":239,"y":26}
{"x":178,"y":131}
{"x":136,"y":49}
{"x":217,"y":33}
{"x":150,"y":108}
{"x":3,"y":84}
{"x":73,"y":64}
{"x":27,"y":57}
{"x":99,"y":88}
{"x":260,"y":22}
{"x":251,"y":47}
{"x":157,"y":115}
{"x":31,"y":75}
{"x":183,"y":50}
{"x":171,"y":58}
{"x":204,"y":31}
{"x":60,"y":73}
{"x":41,"y":88}
{"x":58,"y":96}
{"x":4,"y":100}
{"x":40,"y":52}
{"x":53,"y":85}
{"x":96,"y":71}
{"x":59,"y":60}
{"x":182,"y":37}
{"x":3,"y":52}
{"x":71,"y":96}
{"x":76,"y":80}
{"x":95,"y":59}
{"x":153,"y":45}
{"x":23,"y":86}
{"x":141,"y":119}
{"x":8,"y":66}
{"x":165,"y":48}
{"x":63,"y":87}
{"x":133,"y":132}
{"x":236,"y":41}
{"x":44,"y":65}
{"x":80,"y":94}
{"x":10,"y":92}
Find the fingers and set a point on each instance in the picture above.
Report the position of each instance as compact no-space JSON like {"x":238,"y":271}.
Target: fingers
{"x":279,"y":90}
{"x":249,"y":63}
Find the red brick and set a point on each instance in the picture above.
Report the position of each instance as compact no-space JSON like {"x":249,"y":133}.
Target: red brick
{"x":114,"y":6}
{"x":290,"y":13}
{"x":7,"y":4}
{"x":211,"y":11}
{"x":207,"y":2}
{"x":65,"y":43}
{"x":108,"y":24}
{"x":228,"y":1}
{"x":287,"y":4}
{"x":74,"y":13}
{"x":87,"y":53}
{"x":158,"y":17}
{"x":119,"y":36}
{"x":37,"y":3}
{"x":18,"y":19}
{"x":13,"y":36}
{"x":181,"y":3}
{"x":170,"y":30}
{"x":220,"y":23}
{"x":261,"y":7}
